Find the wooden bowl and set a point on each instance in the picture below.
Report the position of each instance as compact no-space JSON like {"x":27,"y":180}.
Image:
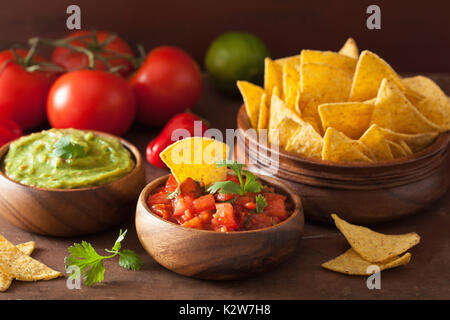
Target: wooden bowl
{"x":362,"y":193}
{"x":214,"y":255}
{"x":71,"y":212}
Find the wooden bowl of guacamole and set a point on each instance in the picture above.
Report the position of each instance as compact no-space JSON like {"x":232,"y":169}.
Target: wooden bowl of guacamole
{"x":67,"y":182}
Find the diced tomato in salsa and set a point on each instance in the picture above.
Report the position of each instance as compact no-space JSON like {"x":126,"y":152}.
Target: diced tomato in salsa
{"x":191,"y":207}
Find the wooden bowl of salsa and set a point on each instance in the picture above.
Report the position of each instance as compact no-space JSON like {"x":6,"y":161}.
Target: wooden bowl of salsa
{"x":218,"y":249}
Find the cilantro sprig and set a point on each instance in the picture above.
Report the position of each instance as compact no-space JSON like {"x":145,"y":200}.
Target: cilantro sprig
{"x":84,"y":256}
{"x":251,"y":184}
{"x":66,"y":149}
{"x":261,"y":203}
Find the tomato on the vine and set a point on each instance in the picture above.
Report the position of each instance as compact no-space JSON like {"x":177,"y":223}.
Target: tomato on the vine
{"x":168,"y":82}
{"x":73,"y":60}
{"x":23,"y":93}
{"x":91,"y":100}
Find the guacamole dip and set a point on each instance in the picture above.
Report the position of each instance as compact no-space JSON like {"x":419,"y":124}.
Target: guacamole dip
{"x":66,"y":158}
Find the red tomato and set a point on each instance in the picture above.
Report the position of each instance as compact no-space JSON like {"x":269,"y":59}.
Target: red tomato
{"x":158,"y":198}
{"x":22,"y":93}
{"x":171,"y":184}
{"x":167,"y":83}
{"x":9,"y":130}
{"x":181,"y":204}
{"x":190,"y":187}
{"x":224,"y":217}
{"x":72,"y":60}
{"x":275,"y":205}
{"x":204,"y":203}
{"x":92,"y":100}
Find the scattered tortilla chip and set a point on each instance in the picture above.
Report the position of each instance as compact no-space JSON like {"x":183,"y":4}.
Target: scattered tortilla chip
{"x":196,"y":158}
{"x":397,"y":150}
{"x":252,"y":95}
{"x":375,"y":140}
{"x":26,"y":248}
{"x":320,"y":84}
{"x":15,"y":263}
{"x":291,"y":84}
{"x":292,"y":61}
{"x":394,"y":111}
{"x":263,"y":118}
{"x":350,"y":118}
{"x":373,"y":246}
{"x":331,"y":59}
{"x":370,"y":72}
{"x":351,"y":263}
{"x":273,"y":77}
{"x":306,"y":142}
{"x":416,"y":142}
{"x":338,"y":147}
{"x":350,"y":49}
{"x":434,"y":106}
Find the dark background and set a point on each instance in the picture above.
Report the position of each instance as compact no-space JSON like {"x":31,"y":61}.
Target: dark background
{"x":414,"y":35}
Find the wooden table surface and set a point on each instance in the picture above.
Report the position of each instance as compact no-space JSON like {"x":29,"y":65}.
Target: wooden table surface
{"x":301,"y":277}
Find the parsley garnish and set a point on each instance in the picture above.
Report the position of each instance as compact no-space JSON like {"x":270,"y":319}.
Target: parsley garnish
{"x":66,"y":149}
{"x":261,"y":203}
{"x":90,"y":262}
{"x":250,"y":185}
{"x":174,"y":193}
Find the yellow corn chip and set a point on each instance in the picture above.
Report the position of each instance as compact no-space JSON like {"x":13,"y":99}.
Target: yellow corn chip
{"x":416,"y":142}
{"x":434,"y":106}
{"x":338,"y":147}
{"x":22,"y":267}
{"x":273,"y":77}
{"x":405,"y":147}
{"x":291,"y":84}
{"x":320,"y":84}
{"x":331,"y":59}
{"x":263,"y":119}
{"x":373,"y":246}
{"x":350,"y":118}
{"x":196,"y":158}
{"x":252,"y":95}
{"x":351,"y":263}
{"x":375,"y":140}
{"x":26,"y":248}
{"x":350,"y":49}
{"x":370,"y":72}
{"x":286,"y":129}
{"x":292,"y":61}
{"x":397,"y":150}
{"x":393,"y":111}
{"x":306,"y":142}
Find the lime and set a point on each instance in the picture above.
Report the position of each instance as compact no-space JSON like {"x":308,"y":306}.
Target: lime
{"x":236,"y":56}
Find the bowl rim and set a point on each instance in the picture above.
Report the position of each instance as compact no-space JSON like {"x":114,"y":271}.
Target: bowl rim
{"x":441,"y":142}
{"x":295,"y":198}
{"x":128,"y":145}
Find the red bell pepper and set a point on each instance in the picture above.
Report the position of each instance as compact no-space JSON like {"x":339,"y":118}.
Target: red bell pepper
{"x":183,"y":120}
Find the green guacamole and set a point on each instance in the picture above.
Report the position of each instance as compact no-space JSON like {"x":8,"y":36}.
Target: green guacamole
{"x":66,"y":159}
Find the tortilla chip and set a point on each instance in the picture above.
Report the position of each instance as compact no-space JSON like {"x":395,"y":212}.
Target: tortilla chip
{"x":291,"y":86}
{"x":263,"y":118}
{"x":196,"y":158}
{"x":252,"y":95}
{"x":26,"y":248}
{"x":15,"y":263}
{"x":374,"y":139}
{"x":306,"y":142}
{"x":397,"y":150}
{"x":394,"y":111}
{"x":350,"y":49}
{"x":286,"y":129}
{"x":273,"y":77}
{"x":292,"y":61}
{"x":338,"y":147}
{"x":373,"y":246}
{"x":370,"y":72}
{"x":320,"y":84}
{"x":350,"y":118}
{"x":434,"y":106}
{"x":416,"y":142}
{"x":351,"y":263}
{"x":331,"y":59}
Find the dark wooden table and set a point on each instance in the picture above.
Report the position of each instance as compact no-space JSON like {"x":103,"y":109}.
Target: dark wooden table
{"x":301,"y":277}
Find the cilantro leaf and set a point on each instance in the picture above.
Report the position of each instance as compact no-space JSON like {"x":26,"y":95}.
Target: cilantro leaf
{"x":130,"y":260}
{"x":225,"y":187}
{"x":251,"y":184}
{"x":66,"y":149}
{"x":90,"y":263}
{"x":261,"y":203}
{"x":174,"y":193}
{"x":233,"y":165}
